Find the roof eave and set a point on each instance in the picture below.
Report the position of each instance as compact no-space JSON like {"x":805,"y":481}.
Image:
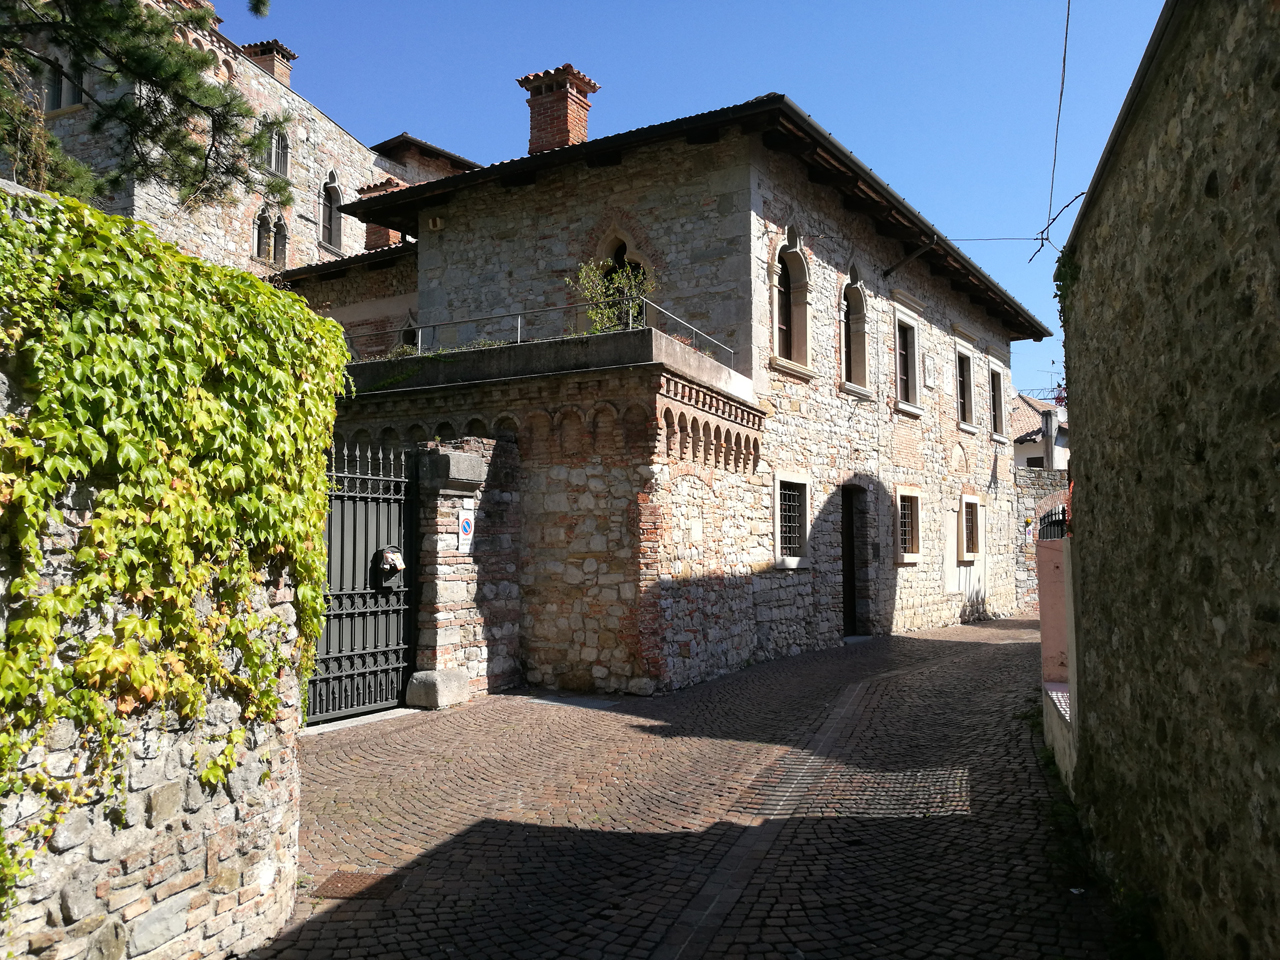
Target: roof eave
{"x":863,"y":192}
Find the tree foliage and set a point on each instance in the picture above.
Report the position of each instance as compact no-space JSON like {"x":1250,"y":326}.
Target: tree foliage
{"x":612,"y":293}
{"x":197,"y":402}
{"x":149,"y":92}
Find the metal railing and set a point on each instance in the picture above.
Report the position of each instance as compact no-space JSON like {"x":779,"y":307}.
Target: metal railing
{"x":1053,"y":525}
{"x":528,"y":326}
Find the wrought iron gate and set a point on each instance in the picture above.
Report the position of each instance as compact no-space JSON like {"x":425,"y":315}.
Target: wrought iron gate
{"x":365,"y":654}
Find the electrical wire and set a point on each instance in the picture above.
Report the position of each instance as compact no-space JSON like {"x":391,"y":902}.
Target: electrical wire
{"x":1057,"y":127}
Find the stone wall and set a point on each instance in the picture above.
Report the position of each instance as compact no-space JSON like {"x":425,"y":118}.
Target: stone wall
{"x":168,"y":868}
{"x":469,"y":613}
{"x":1038,"y":491}
{"x":224,"y":233}
{"x":1174,"y":363}
{"x":374,"y":298}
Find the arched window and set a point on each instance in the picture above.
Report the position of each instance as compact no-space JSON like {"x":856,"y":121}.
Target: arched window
{"x":330,"y":216}
{"x":262,"y":236}
{"x":785,"y":328}
{"x":790,"y":280}
{"x":855,"y":337}
{"x":280,"y":249}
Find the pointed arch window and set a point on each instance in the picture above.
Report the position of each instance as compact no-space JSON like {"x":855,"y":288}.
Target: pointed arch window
{"x":262,"y":236}
{"x":330,"y":215}
{"x":786,"y":319}
{"x":855,"y":337}
{"x":789,"y":283}
{"x":280,"y":245}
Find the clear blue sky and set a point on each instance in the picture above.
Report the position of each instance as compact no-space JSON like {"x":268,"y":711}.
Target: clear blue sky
{"x":952,"y":103}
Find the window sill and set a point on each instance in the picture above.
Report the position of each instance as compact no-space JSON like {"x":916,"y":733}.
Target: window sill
{"x":853,"y":390}
{"x":966,"y":427}
{"x":329,"y":248}
{"x":266,"y":263}
{"x":967,"y":559}
{"x":63,"y":111}
{"x":999,"y":438}
{"x":910,"y":409}
{"x":792,"y":368}
{"x":908,"y":559}
{"x":791,"y":563}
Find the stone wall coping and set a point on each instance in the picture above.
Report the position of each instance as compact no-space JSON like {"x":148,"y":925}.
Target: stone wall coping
{"x":625,"y":348}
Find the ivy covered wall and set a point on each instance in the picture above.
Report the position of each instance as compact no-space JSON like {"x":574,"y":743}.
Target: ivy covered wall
{"x":163,"y":427}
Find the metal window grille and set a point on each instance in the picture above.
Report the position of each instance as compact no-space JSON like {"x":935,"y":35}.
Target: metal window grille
{"x":281,"y":246}
{"x":907,"y":525}
{"x":280,"y":158}
{"x":963,"y":379}
{"x":970,"y":528}
{"x":791,"y":518}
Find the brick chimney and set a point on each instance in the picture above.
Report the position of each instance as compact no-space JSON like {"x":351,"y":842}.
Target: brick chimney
{"x":376,"y":236}
{"x":273,"y":57}
{"x":558,"y":107}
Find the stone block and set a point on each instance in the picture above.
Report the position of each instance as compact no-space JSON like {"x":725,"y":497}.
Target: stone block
{"x":433,"y":689}
{"x":163,"y":803}
{"x":72,"y":832}
{"x":458,"y":474}
{"x":159,"y":925}
{"x":641,"y":686}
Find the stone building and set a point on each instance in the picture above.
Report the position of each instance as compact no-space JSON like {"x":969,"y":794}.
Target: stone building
{"x":1171,"y":277}
{"x":803,"y":438}
{"x":1041,"y":452}
{"x":324,"y":164}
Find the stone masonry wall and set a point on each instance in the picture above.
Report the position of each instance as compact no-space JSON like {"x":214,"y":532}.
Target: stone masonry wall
{"x":168,"y":868}
{"x":682,"y":214}
{"x":469,"y":621}
{"x":1038,"y":492}
{"x":375,"y":302}
{"x":819,"y":430}
{"x":1174,"y":362}
{"x":224,"y":233}
{"x":585,"y":445}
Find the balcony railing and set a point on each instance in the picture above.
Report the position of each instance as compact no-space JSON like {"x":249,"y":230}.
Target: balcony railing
{"x":527,"y":326}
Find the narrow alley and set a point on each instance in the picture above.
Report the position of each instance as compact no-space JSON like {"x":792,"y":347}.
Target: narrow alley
{"x":879,"y":800}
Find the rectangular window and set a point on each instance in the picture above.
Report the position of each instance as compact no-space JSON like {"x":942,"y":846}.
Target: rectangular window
{"x":791,"y":523}
{"x":908,"y":528}
{"x":906,"y":363}
{"x":77,"y":86}
{"x":964,"y":387}
{"x":790,"y":519}
{"x":968,"y":534}
{"x":997,"y":403}
{"x":1035,"y":462}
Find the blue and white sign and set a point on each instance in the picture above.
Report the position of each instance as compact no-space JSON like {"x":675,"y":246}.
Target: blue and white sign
{"x":466,"y":529}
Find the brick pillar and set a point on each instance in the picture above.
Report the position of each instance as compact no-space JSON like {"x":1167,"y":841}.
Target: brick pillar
{"x":469,"y":613}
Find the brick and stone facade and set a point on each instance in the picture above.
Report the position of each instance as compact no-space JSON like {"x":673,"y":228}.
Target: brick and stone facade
{"x":1171,"y":298}
{"x":651,"y":467}
{"x":321,"y":154}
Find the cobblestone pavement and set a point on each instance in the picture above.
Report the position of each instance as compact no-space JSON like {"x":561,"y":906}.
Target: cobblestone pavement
{"x":879,"y":800}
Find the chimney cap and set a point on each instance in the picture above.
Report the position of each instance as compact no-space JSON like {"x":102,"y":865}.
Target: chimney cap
{"x":264,"y":47}
{"x":566,"y":72}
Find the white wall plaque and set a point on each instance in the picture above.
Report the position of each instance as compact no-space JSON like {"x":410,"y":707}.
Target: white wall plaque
{"x":466,"y":529}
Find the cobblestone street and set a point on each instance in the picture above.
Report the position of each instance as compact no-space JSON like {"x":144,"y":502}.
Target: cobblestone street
{"x":880,"y":800}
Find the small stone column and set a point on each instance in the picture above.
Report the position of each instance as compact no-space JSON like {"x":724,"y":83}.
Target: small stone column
{"x":470,"y":599}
